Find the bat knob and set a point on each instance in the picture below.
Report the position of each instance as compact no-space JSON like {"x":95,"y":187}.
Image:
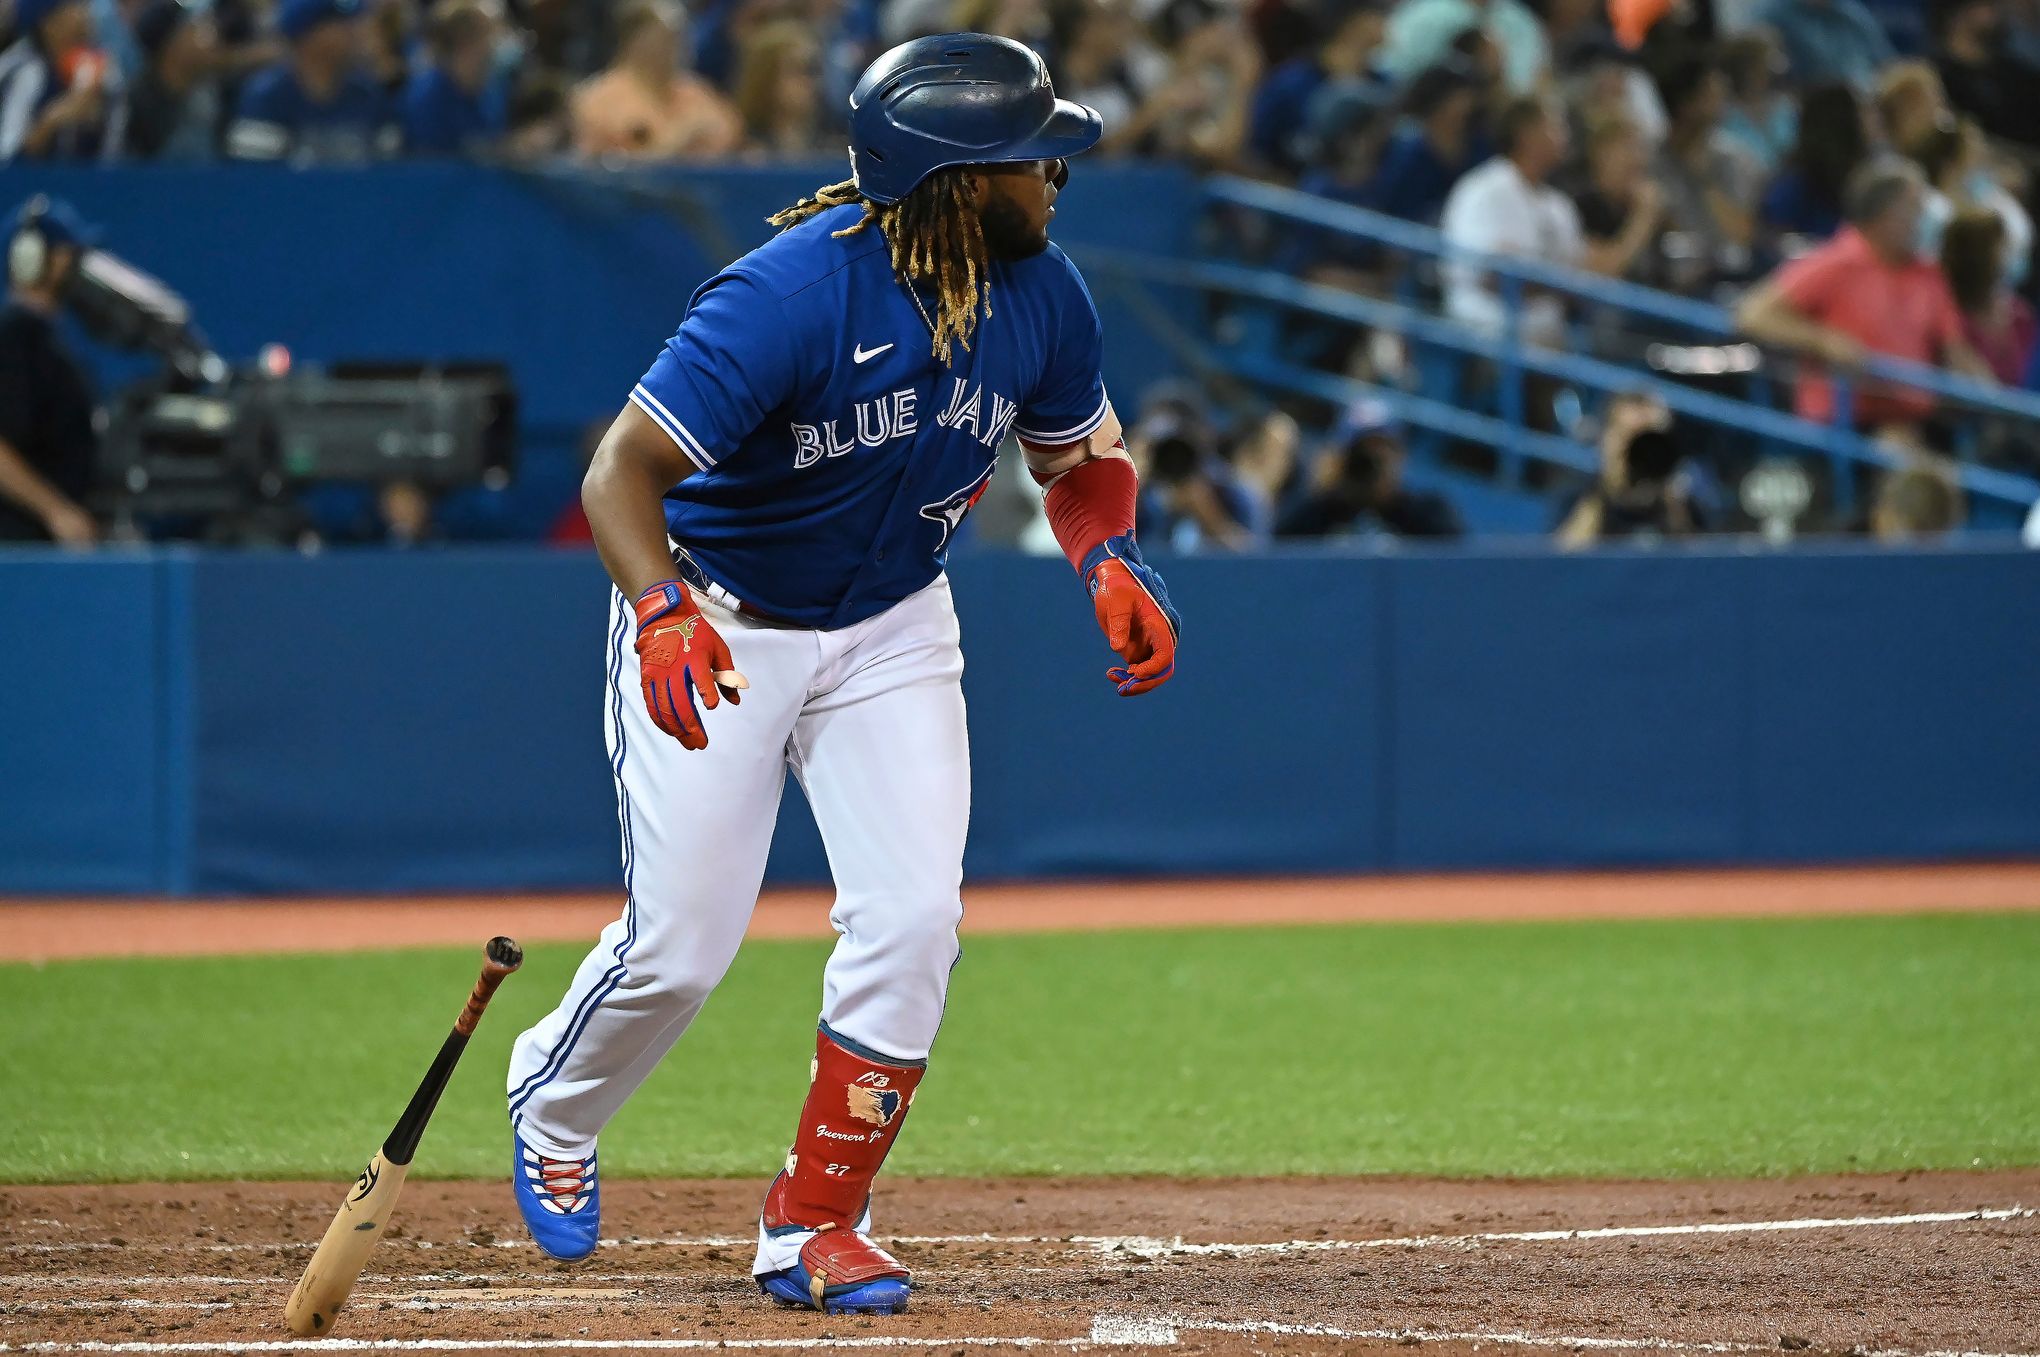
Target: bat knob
{"x":504,"y":953}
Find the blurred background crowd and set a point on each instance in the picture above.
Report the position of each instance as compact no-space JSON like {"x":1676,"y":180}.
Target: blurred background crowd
{"x":1850,"y":177}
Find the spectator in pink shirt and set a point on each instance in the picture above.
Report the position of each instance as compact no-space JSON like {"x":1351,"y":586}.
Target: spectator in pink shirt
{"x":1868,"y":290}
{"x":645,"y":105}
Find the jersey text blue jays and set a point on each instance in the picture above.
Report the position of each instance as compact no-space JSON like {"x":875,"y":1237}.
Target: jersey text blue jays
{"x":834,"y":457}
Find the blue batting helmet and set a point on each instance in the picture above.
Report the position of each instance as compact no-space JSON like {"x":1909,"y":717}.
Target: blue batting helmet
{"x":957,"y":99}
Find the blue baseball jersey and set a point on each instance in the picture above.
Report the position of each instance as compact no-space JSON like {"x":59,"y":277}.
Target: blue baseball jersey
{"x":835,"y":455}
{"x":277,"y":118}
{"x":441,"y":118}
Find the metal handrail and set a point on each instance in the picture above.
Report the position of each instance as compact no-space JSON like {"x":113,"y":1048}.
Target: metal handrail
{"x":1631,"y":297}
{"x":1598,"y":374}
{"x":1422,"y":411}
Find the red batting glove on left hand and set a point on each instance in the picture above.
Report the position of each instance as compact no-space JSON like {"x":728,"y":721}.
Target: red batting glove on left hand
{"x":681,"y":655}
{"x":1134,"y":613}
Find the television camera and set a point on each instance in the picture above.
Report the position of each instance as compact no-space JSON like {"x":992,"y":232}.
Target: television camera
{"x":203,"y":450}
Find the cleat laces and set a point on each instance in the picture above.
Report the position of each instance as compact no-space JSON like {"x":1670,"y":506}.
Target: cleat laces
{"x":563,"y":1183}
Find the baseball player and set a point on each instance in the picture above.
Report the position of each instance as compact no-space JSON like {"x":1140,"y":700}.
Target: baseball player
{"x":775,"y":504}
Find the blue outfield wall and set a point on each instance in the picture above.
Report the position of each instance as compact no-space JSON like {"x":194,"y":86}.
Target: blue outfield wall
{"x":207,"y":723}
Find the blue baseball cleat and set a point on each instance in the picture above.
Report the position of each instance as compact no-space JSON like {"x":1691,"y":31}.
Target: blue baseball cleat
{"x":886,"y":1296}
{"x":560,"y":1200}
{"x":828,"y":1268}
{"x":840,"y":1272}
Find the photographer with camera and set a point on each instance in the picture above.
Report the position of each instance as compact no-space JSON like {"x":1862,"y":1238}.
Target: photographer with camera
{"x":1358,"y":486}
{"x":47,"y":440}
{"x":1184,"y":499}
{"x":1641,"y":494}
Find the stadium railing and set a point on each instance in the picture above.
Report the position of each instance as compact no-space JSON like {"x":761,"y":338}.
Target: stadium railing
{"x":1259,"y":298}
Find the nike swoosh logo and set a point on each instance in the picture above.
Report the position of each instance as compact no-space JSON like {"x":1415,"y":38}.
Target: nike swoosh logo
{"x":864,"y":355}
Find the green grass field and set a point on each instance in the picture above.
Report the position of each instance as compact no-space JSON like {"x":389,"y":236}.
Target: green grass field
{"x":1644,"y":1049}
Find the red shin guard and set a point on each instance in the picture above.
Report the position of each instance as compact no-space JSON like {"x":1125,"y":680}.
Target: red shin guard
{"x":851,"y":1117}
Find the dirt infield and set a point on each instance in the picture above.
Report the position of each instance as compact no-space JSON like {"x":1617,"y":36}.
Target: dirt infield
{"x":1912,"y":1264}
{"x":49,"y":930}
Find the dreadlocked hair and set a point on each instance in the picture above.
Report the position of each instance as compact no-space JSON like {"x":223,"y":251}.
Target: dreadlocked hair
{"x":935,"y":237}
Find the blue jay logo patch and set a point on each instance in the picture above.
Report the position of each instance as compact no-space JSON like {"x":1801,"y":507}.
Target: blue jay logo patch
{"x":877,"y":1106}
{"x":949,"y":512}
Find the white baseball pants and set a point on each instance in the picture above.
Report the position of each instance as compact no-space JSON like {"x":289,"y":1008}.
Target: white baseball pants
{"x":870,"y":719}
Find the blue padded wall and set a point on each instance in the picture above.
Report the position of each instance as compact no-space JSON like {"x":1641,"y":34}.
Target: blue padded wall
{"x":84,"y":710}
{"x":373,"y":721}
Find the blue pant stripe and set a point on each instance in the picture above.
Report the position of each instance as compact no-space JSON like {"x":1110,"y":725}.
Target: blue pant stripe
{"x":585,"y":1011}
{"x":523,"y":1091}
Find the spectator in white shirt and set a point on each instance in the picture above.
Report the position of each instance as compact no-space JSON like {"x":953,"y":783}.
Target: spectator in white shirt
{"x":1508,"y":207}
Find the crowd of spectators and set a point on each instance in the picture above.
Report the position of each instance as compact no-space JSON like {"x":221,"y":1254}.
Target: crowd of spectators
{"x":347,"y":81}
{"x":1856,"y":176}
{"x":1753,"y":109}
{"x":1218,"y":477}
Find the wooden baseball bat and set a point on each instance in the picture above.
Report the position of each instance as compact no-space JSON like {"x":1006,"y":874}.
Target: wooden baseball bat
{"x":358,"y":1225}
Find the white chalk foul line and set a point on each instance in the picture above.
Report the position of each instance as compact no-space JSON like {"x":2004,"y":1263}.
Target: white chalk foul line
{"x":1164,"y":1330}
{"x":1154,"y":1246}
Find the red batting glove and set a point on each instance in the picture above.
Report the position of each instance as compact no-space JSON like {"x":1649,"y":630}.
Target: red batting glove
{"x":1135,"y":614}
{"x":681,"y":655}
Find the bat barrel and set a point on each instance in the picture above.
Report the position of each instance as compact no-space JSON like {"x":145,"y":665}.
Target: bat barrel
{"x":358,"y":1226}
{"x":356,"y":1229}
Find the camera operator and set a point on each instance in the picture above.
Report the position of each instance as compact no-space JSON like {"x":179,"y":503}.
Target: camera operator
{"x":1358,"y":486}
{"x":1641,"y":494}
{"x":47,"y":440}
{"x":1183,"y":503}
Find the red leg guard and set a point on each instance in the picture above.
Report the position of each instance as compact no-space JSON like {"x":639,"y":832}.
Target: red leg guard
{"x":852,"y":1116}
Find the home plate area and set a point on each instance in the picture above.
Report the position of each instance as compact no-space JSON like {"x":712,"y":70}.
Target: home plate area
{"x":1914,"y":1264}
